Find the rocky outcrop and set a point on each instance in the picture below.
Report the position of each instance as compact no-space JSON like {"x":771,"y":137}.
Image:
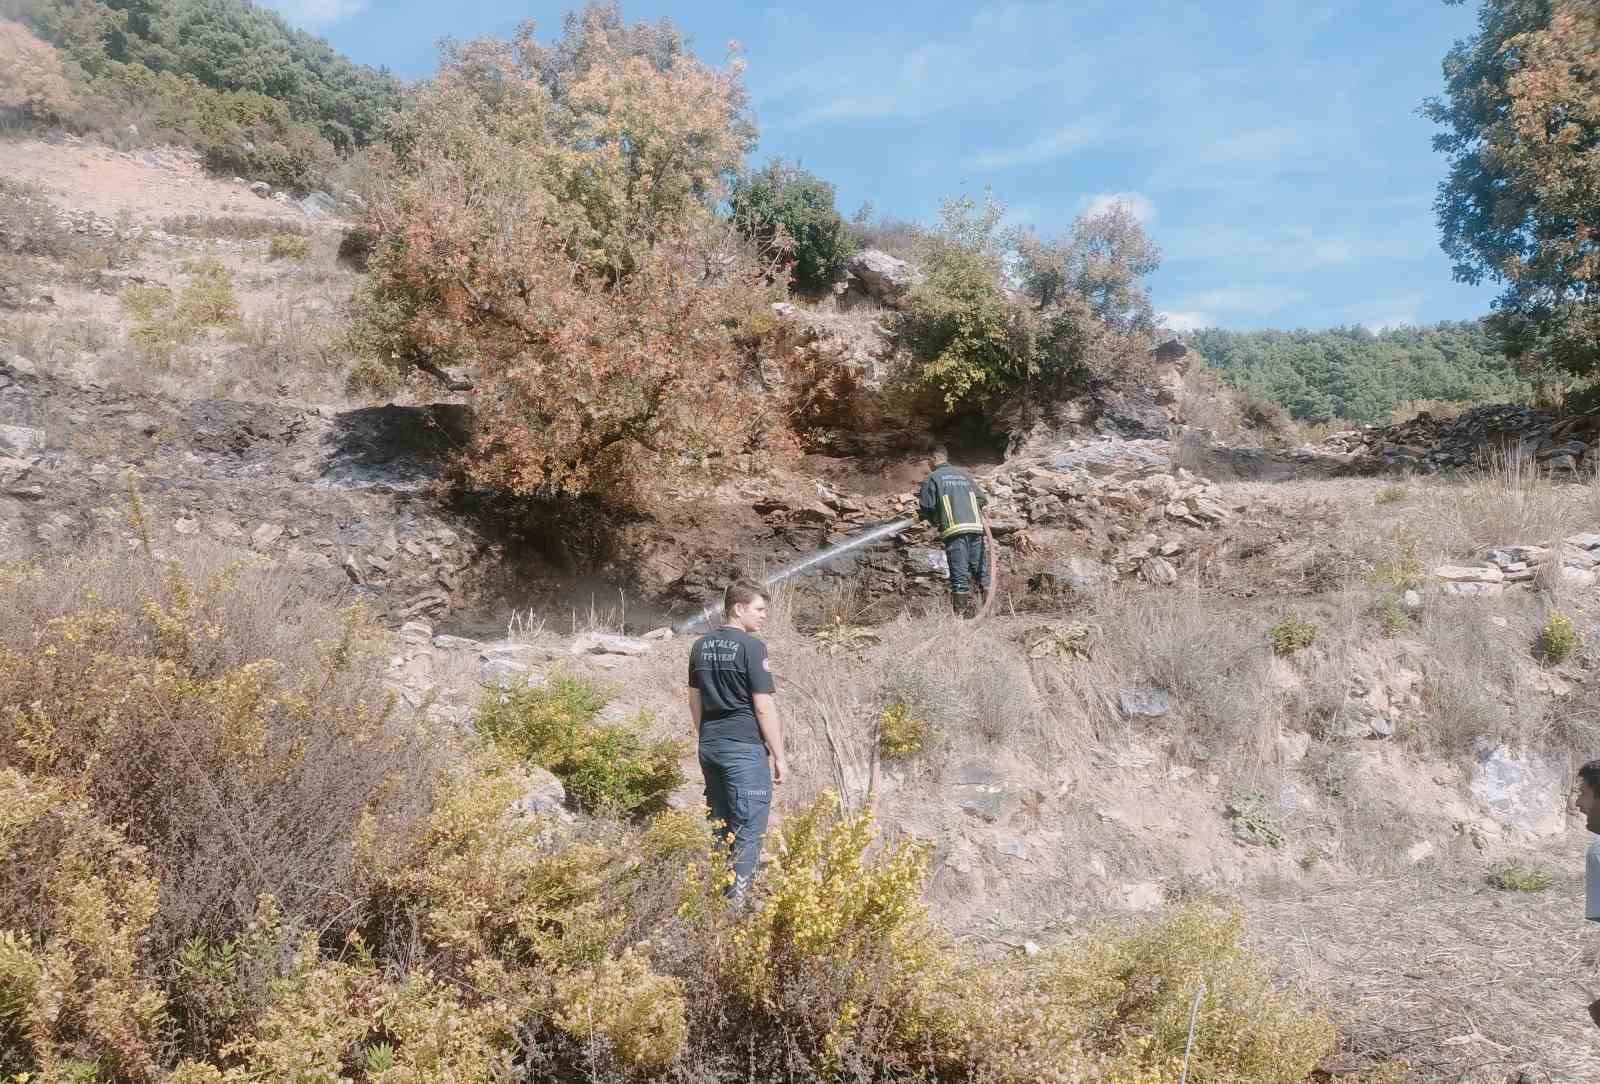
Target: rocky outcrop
{"x":1576,"y":560}
{"x":1554,"y":441}
{"x":880,"y":277}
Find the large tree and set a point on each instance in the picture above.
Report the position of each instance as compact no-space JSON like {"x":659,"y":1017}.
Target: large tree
{"x":548,"y":221}
{"x":1521,"y":203}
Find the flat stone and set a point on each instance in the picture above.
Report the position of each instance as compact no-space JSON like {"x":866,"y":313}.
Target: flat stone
{"x":445,"y":642}
{"x":1477,"y":590}
{"x":600,"y":643}
{"x":509,"y":649}
{"x":1521,"y":791}
{"x":503,"y":674}
{"x":1081,"y":574}
{"x":1469,"y":573}
{"x":663,"y":633}
{"x":1158,"y":571}
{"x":1587,"y":541}
{"x":1144,"y":701}
{"x":1580,"y":577}
{"x":416,"y":632}
{"x":265,"y":535}
{"x":21,"y":440}
{"x":1381,"y":727}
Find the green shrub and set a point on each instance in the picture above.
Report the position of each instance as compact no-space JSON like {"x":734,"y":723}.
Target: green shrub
{"x":208,"y":300}
{"x":1558,"y":640}
{"x":603,"y":765}
{"x":1392,"y":616}
{"x":289,"y":246}
{"x":1253,"y":820}
{"x":901,"y":732}
{"x":786,"y":198}
{"x":144,"y":302}
{"x":971,"y":344}
{"x":1513,"y":877}
{"x":1401,"y":568}
{"x":1292,"y":634}
{"x":1391,"y":495}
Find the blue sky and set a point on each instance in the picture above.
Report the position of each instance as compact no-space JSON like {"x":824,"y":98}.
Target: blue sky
{"x":1272,"y":146}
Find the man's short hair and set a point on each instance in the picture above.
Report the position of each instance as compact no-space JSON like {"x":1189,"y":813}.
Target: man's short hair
{"x":1590,"y":774}
{"x":740,"y":593}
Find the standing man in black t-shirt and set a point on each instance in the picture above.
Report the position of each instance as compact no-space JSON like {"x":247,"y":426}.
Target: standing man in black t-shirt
{"x":736,"y":726}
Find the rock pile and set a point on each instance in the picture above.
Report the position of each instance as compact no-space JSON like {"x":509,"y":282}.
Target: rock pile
{"x":1576,"y":560}
{"x":1426,"y":443}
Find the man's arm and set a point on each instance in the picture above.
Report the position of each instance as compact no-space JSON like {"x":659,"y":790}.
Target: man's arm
{"x":771,"y":733}
{"x":695,"y":709}
{"x":928,"y":500}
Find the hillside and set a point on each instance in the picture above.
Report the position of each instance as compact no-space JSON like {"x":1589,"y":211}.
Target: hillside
{"x":1118,"y":738}
{"x":347,"y":548}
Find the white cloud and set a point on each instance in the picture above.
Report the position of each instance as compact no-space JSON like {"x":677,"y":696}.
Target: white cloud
{"x":1185,"y":321}
{"x":1380,"y":324}
{"x":318,"y":12}
{"x":1136,"y":204}
{"x":1045,"y":148}
{"x":1256,"y":300}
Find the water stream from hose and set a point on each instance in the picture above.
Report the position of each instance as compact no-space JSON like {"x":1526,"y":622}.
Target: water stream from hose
{"x":821,"y":557}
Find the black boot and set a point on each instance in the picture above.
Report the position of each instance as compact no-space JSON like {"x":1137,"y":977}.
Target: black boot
{"x":960,"y":602}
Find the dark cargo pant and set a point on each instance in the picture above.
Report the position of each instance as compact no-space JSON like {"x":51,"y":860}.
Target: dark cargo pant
{"x":968,"y":557}
{"x":739,"y":795}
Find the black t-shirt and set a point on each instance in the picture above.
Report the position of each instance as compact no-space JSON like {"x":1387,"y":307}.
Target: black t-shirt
{"x":729,"y":666}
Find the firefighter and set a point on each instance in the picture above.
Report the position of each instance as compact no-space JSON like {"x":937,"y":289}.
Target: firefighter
{"x":953,"y":503}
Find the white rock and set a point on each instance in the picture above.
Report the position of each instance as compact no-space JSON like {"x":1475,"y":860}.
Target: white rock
{"x":21,"y":440}
{"x":1142,"y":896}
{"x":1521,"y":792}
{"x":265,"y":535}
{"x":446,"y":642}
{"x":663,"y":633}
{"x":1420,"y":851}
{"x":503,"y":674}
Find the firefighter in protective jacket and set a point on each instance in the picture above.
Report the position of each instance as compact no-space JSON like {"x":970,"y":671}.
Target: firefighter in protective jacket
{"x":952,"y":502}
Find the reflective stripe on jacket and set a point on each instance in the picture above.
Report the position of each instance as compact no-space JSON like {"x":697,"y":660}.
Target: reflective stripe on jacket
{"x":951,"y":500}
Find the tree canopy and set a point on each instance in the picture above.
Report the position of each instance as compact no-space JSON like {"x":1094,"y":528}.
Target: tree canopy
{"x":1521,"y":202}
{"x":1354,"y":374}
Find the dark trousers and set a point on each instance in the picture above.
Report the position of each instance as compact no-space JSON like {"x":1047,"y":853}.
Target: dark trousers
{"x":969,"y":563}
{"x":739,"y":795}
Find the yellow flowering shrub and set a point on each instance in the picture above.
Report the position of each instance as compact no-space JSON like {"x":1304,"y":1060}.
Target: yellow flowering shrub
{"x":638,"y":1014}
{"x":76,"y":901}
{"x":1120,"y":1000}
{"x":331,"y":1019}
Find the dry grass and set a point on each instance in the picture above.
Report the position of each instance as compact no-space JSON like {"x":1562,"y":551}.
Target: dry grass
{"x":231,"y":227}
{"x":209,"y":796}
{"x":1465,"y":982}
{"x":1507,"y":501}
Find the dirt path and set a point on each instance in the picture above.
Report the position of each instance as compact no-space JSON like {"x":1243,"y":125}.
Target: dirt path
{"x":1464,"y":981}
{"x":147,"y":185}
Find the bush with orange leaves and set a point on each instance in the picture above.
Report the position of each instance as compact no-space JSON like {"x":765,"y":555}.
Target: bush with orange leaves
{"x":547,"y":221}
{"x":32,"y":83}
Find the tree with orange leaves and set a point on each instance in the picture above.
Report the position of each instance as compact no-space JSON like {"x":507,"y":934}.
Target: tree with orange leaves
{"x":547,"y":221}
{"x":32,"y":83}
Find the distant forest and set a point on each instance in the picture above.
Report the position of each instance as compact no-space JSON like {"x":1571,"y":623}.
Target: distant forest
{"x":1355,"y":374}
{"x":254,"y":94}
